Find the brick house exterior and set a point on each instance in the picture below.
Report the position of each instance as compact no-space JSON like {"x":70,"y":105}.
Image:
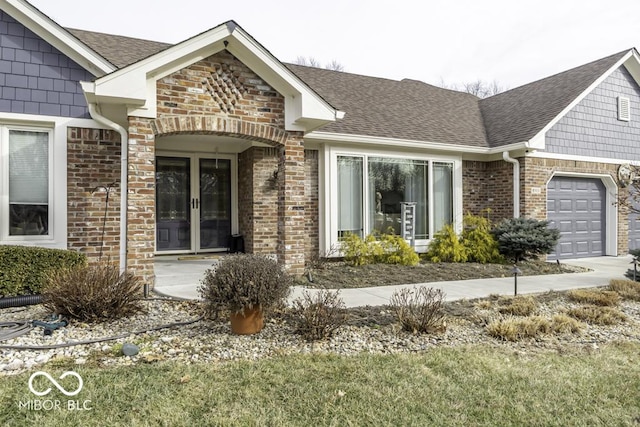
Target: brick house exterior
{"x":215,"y":137}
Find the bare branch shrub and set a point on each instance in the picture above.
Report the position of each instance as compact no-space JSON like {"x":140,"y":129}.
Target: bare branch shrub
{"x":93,"y":293}
{"x":419,"y":309}
{"x":319,"y":314}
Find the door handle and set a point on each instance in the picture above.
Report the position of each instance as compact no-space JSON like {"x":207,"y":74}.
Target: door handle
{"x":195,"y":203}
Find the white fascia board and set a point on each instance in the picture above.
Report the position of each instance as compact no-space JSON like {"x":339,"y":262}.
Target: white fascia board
{"x":58,"y":37}
{"x":571,"y":157}
{"x":409,"y":144}
{"x":579,"y":98}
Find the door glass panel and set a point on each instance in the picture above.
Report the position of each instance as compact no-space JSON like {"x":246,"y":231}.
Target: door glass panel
{"x":215,"y":203}
{"x":173,"y":196}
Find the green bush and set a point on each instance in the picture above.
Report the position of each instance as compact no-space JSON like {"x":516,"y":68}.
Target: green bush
{"x":387,"y":249}
{"x":396,"y":250}
{"x":93,"y":293}
{"x":446,"y":247}
{"x":245,"y":281}
{"x":24,"y":268}
{"x":358,"y":251}
{"x":523,"y":238}
{"x":479,"y":243}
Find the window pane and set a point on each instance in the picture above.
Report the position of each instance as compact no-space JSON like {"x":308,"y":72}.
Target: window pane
{"x":28,"y":183}
{"x":391,"y":182}
{"x":349,"y":195}
{"x":442,"y":194}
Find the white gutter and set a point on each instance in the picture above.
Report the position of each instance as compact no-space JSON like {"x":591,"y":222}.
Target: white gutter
{"x":516,"y":182}
{"x":124,"y":148}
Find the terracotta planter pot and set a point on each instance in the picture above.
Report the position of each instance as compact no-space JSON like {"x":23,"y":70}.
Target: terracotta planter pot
{"x":251,"y":321}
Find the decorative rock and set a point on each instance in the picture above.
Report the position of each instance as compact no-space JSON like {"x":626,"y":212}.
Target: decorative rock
{"x":129,"y":349}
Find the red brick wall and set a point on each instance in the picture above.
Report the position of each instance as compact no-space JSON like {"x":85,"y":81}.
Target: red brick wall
{"x":311,"y":210}
{"x":220,"y":86}
{"x":488,"y":185}
{"x":93,"y":159}
{"x":141,"y":201}
{"x":258,"y":199}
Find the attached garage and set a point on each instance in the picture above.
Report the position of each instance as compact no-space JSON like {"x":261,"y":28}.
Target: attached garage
{"x":576,"y":206}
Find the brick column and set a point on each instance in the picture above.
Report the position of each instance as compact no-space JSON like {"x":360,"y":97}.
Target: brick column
{"x":141,"y":200}
{"x":291,"y":204}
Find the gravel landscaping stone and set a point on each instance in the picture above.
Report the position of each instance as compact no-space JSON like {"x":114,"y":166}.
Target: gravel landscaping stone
{"x":368,"y":329}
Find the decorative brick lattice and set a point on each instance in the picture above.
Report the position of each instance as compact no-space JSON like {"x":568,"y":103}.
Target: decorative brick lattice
{"x":224,"y":87}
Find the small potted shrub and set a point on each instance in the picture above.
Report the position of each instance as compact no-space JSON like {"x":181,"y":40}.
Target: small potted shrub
{"x":246,"y":285}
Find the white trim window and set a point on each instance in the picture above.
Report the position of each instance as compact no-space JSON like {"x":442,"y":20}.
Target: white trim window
{"x":27,"y":185}
{"x":371,"y":187}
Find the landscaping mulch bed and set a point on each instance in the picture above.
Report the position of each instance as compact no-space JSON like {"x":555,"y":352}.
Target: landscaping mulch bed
{"x":339,"y":275}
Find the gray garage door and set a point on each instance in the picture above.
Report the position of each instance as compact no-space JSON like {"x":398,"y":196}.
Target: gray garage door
{"x":576,"y":207}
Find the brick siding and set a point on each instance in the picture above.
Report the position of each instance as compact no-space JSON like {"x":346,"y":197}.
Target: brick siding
{"x":93,"y":159}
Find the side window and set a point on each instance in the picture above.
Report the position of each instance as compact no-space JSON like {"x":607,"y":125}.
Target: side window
{"x":29,"y":184}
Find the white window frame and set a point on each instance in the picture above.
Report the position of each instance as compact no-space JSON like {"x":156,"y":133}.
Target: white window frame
{"x":331,"y":183}
{"x":5,"y":237}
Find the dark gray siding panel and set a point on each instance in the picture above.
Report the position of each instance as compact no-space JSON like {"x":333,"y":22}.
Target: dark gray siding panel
{"x":592,"y":127}
{"x":35,"y":77}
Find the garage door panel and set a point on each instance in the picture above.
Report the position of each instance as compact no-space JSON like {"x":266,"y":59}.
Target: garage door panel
{"x":582,"y":206}
{"x":566,"y":206}
{"x":579,"y":216}
{"x":582,"y":226}
{"x":565,"y":226}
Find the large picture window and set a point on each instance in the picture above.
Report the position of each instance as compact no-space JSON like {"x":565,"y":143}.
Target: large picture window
{"x":371,"y":190}
{"x":28,"y":210}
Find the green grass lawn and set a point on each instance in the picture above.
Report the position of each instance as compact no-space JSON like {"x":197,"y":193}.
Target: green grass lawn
{"x":465,"y":386}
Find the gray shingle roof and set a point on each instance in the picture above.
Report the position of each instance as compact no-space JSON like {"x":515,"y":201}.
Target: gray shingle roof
{"x":519,"y":114}
{"x":119,"y":50}
{"x":406,"y":109}
{"x":410,"y":109}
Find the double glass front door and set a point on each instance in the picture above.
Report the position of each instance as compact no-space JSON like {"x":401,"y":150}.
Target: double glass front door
{"x":193,"y":203}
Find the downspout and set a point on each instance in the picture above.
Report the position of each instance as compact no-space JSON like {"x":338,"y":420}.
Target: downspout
{"x":124,"y":149}
{"x":516,"y":182}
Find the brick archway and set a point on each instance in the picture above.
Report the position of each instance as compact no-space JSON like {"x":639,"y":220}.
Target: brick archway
{"x":290,"y":223}
{"x":219,"y":126}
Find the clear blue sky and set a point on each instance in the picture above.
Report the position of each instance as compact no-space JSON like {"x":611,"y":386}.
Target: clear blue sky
{"x":454,"y":41}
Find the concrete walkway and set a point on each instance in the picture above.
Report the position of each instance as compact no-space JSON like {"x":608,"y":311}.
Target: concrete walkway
{"x":180,"y":279}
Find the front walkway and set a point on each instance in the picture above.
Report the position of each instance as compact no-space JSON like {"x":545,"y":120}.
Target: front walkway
{"x":180,"y":279}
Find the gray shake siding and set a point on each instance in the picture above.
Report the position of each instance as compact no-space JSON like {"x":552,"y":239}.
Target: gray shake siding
{"x":36,"y":78}
{"x":592,"y":127}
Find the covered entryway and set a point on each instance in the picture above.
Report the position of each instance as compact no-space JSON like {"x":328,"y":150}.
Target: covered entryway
{"x":576,"y":206}
{"x":194,"y":205}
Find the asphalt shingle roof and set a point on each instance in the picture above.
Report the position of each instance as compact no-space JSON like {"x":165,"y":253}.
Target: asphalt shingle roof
{"x":119,"y":50}
{"x":519,"y":114}
{"x":410,"y":109}
{"x":406,"y":109}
